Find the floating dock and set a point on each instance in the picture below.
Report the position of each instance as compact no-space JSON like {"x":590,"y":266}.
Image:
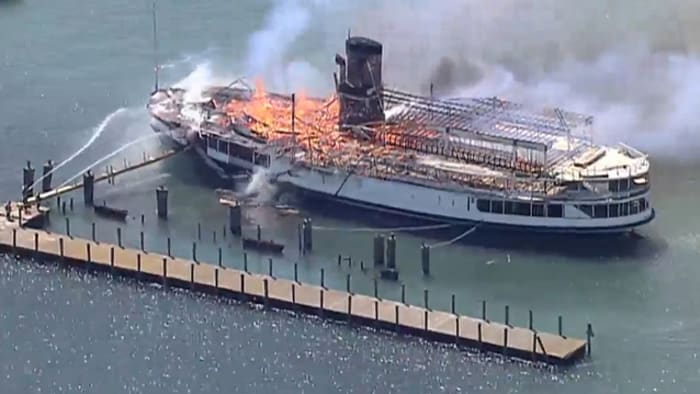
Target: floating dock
{"x":267,"y":290}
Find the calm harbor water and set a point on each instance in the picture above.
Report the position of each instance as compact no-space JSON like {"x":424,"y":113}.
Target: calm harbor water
{"x":66,"y":70}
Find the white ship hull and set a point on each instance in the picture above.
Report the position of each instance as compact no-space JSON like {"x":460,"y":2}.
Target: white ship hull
{"x":448,"y":206}
{"x":413,"y":200}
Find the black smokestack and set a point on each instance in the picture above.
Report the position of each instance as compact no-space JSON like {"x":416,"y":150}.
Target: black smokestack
{"x":360,"y":87}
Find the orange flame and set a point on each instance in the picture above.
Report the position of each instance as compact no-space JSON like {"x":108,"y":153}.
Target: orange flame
{"x":315,"y":125}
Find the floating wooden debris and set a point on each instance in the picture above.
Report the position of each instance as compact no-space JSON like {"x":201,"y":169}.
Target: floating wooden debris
{"x":112,"y":213}
{"x":263,"y":245}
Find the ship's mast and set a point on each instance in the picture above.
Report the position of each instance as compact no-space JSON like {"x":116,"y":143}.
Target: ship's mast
{"x":155,"y":47}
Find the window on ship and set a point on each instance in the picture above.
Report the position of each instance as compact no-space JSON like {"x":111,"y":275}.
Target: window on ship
{"x":262,"y":160}
{"x":223,"y":147}
{"x":522,"y":208}
{"x":538,"y":210}
{"x":518,"y":208}
{"x":634,"y":207}
{"x":624,"y":209}
{"x":496,"y":206}
{"x":614,"y":210}
{"x":600,"y":211}
{"x":555,"y":211}
{"x":483,"y":205}
{"x":587,"y":209}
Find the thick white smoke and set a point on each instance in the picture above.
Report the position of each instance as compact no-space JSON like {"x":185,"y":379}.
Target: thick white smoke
{"x":259,"y":187}
{"x":200,"y":79}
{"x":633,"y":64}
{"x":270,"y":52}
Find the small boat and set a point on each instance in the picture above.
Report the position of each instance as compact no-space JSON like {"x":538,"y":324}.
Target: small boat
{"x":262,"y":245}
{"x":109,"y":212}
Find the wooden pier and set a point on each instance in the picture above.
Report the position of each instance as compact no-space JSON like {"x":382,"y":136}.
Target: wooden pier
{"x":358,"y":309}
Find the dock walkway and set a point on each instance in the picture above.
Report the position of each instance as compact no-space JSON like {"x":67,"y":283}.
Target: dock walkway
{"x":287,"y":294}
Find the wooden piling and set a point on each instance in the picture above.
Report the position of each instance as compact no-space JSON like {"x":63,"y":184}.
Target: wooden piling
{"x":165,"y":271}
{"x":561,"y":326}
{"x":425,"y":259}
{"x":379,"y":243}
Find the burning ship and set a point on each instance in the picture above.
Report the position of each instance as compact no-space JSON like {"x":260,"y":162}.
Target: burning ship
{"x":457,"y":160}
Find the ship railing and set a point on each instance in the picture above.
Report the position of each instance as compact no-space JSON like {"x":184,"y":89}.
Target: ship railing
{"x":436,"y":177}
{"x":485,"y":155}
{"x":585,"y":195}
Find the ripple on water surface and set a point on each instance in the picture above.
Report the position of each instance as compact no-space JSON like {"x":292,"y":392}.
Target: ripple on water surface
{"x":70,"y":331}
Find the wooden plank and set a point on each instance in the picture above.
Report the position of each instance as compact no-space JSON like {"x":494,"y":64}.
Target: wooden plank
{"x":229,"y":280}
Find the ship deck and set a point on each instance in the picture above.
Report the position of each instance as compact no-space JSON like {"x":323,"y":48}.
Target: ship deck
{"x":483,"y":143}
